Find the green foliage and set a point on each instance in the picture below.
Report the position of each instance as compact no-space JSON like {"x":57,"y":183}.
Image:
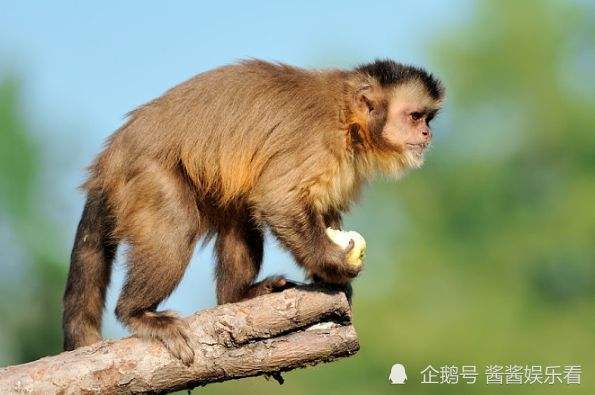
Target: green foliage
{"x":30,"y":305}
{"x":17,"y":155}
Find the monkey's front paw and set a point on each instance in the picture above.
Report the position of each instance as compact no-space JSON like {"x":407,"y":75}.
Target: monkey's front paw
{"x":335,"y":266}
{"x":347,"y":272}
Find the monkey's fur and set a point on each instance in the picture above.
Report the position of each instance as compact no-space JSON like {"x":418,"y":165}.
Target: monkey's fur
{"x":226,"y":154}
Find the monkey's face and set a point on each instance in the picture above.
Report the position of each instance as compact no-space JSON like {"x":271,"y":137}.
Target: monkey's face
{"x":394,"y":124}
{"x":407,"y":127}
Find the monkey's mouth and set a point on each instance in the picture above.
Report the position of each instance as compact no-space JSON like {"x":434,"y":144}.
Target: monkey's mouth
{"x":417,"y":149}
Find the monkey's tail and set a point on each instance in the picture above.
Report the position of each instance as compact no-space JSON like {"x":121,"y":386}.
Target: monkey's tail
{"x":89,"y":274}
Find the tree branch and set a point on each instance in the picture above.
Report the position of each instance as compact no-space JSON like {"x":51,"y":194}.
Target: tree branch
{"x":266,"y":335}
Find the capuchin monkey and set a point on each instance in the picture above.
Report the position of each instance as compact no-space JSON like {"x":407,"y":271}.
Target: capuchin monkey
{"x":225,"y":155}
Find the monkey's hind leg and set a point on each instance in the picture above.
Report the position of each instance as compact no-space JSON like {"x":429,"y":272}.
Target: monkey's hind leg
{"x":161,"y":233}
{"x":155,"y":269}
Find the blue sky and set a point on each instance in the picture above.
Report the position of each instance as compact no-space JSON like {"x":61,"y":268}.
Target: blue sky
{"x":84,"y":65}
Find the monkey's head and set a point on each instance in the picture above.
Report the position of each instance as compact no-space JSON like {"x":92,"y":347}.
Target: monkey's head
{"x":391,"y":111}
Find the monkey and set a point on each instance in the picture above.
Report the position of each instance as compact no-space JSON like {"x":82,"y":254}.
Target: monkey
{"x":225,"y":155}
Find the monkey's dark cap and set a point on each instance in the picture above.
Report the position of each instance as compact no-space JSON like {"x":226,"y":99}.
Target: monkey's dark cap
{"x":388,"y":72}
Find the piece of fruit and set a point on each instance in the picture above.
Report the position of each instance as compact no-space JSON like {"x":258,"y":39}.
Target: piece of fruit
{"x":342,"y":239}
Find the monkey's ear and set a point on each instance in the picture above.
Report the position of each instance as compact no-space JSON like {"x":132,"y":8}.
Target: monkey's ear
{"x":362,"y":98}
{"x":367,"y":98}
{"x":370,"y":108}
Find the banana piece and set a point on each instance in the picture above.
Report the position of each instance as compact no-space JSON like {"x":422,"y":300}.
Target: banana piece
{"x":342,"y":239}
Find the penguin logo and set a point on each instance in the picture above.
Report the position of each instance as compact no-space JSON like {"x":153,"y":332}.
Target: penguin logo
{"x":397,"y":374}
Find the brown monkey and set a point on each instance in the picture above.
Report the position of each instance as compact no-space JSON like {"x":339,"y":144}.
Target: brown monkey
{"x":224,"y":155}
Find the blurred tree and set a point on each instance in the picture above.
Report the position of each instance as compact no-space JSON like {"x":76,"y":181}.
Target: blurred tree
{"x":30,"y":304}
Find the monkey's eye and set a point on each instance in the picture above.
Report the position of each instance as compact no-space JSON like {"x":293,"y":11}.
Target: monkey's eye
{"x":416,"y":116}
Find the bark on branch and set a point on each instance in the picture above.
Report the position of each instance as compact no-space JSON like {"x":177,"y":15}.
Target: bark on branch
{"x":266,"y":335}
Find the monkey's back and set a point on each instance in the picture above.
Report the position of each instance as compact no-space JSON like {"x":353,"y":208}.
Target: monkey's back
{"x":229,"y":128}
